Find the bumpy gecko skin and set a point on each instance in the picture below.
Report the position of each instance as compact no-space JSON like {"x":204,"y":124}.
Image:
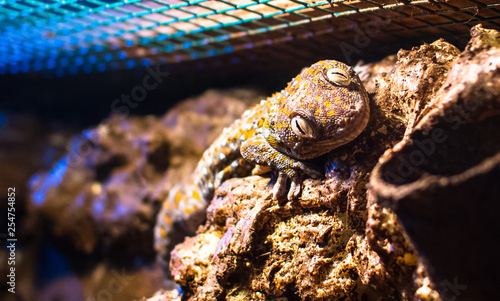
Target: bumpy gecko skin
{"x":322,"y":108}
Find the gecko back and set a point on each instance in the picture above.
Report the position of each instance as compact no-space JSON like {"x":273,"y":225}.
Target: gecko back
{"x":186,"y":204}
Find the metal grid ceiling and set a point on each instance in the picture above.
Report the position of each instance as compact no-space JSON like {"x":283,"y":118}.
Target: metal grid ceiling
{"x":72,"y":36}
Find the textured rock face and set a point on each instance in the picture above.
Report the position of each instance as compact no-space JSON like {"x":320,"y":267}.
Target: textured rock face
{"x":408,"y":210}
{"x":359,"y":234}
{"x":105,"y":193}
{"x":99,"y":202}
{"x":442,"y":180}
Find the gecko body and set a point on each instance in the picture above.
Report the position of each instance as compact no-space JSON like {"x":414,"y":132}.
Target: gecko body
{"x":322,"y":108}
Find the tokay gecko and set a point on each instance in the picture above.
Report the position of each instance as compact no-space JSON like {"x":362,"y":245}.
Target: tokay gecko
{"x":322,"y":108}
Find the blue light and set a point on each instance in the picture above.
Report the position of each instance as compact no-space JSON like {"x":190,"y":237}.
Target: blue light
{"x":122,"y":55}
{"x":51,"y":63}
{"x":129,"y":43}
{"x":108,"y":57}
{"x":56,"y":175}
{"x":38,"y":197}
{"x":58,"y":43}
{"x":3,"y":119}
{"x":130,"y":64}
{"x":37,"y":65}
{"x":83,"y":50}
{"x":87,"y":68}
{"x":80,"y":200}
{"x":98,"y":48}
{"x":14,"y":69}
{"x":146,"y":62}
{"x":73,"y":70}
{"x":64,"y":62}
{"x":51,"y":180}
{"x":119,"y":211}
{"x":101,"y":67}
{"x":59,"y":71}
{"x":331,"y":167}
{"x":92,"y":59}
{"x":25,"y":66}
{"x":98,"y":207}
{"x":78,"y":61}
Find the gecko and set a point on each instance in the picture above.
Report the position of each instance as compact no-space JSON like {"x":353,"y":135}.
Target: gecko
{"x":322,"y":108}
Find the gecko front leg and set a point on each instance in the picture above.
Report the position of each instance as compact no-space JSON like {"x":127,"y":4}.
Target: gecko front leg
{"x":257,"y":150}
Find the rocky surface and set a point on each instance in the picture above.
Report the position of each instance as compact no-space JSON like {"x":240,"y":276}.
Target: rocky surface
{"x":406,"y":211}
{"x":332,"y":244}
{"x":98,"y":204}
{"x":441,"y":182}
{"x":102,"y":197}
{"x":27,"y":144}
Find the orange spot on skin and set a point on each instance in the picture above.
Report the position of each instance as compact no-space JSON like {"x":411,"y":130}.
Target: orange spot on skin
{"x":167,"y":219}
{"x":272,"y":141}
{"x":327,"y":104}
{"x":317,"y":112}
{"x":196,"y":195}
{"x":163,"y":233}
{"x":338,"y":99}
{"x":178,"y":197}
{"x":226,"y":151}
{"x":330,"y":113}
{"x":249,"y":134}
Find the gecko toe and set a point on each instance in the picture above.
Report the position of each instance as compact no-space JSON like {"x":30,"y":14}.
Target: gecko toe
{"x":295,"y":188}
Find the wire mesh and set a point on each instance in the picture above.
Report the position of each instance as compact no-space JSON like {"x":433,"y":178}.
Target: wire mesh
{"x":72,"y":36}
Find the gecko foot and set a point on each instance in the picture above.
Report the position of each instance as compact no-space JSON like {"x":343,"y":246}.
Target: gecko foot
{"x":279,"y":189}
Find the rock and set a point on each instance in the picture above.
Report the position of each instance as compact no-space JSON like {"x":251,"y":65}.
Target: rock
{"x":98,"y":204}
{"x":397,"y":240}
{"x":441,"y":182}
{"x":103,"y":196}
{"x":27,"y":144}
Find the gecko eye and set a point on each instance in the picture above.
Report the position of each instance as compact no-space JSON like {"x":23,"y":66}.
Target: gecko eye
{"x":339,"y":77}
{"x":301,"y":127}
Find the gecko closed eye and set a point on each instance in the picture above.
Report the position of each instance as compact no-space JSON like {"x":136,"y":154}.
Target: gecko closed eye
{"x":301,"y":127}
{"x":338,"y":76}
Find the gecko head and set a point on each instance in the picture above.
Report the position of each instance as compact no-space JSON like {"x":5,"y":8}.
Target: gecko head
{"x":322,"y":108}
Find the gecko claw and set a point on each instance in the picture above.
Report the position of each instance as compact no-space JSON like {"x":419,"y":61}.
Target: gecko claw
{"x":295,"y":188}
{"x":279,"y":187}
